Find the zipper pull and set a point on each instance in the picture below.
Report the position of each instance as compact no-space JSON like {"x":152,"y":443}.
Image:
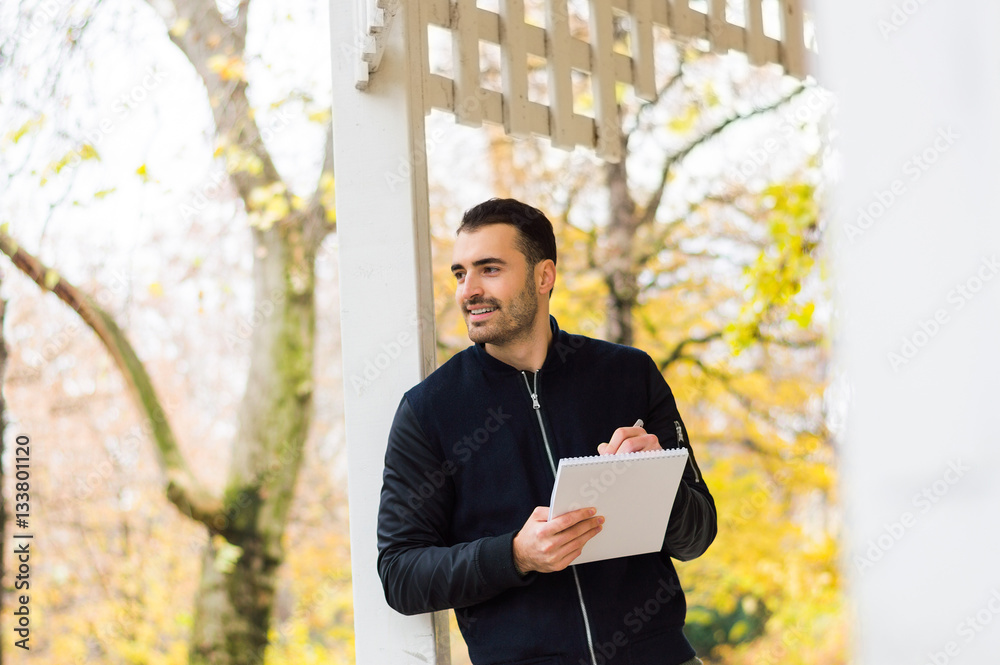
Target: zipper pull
{"x":680,"y":438}
{"x":532,"y":392}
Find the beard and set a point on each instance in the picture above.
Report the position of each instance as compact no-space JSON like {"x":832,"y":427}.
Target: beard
{"x":512,"y":321}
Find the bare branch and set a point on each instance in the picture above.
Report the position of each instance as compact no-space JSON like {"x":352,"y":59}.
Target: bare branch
{"x":649,"y":214}
{"x":808,"y":343}
{"x":726,"y":381}
{"x":660,"y":94}
{"x":679,"y":348}
{"x":183,"y":488}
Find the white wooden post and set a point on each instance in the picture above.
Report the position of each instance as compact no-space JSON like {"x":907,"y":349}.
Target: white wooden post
{"x":387,"y":312}
{"x":918,"y":291}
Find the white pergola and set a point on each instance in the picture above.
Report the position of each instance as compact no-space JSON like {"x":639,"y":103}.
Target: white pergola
{"x":383,"y":88}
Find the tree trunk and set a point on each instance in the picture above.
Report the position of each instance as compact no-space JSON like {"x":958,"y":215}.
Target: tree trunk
{"x":240,"y":562}
{"x":618,"y":262}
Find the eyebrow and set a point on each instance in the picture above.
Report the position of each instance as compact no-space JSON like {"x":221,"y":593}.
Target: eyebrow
{"x":479,"y":262}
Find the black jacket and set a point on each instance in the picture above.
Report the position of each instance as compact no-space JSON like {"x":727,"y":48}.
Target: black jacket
{"x":468,"y":460}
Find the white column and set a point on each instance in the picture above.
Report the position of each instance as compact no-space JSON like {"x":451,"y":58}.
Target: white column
{"x":917,"y":234}
{"x":387,"y":312}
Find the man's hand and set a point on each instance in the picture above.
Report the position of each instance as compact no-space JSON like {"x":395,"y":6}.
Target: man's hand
{"x":550,"y":546}
{"x":629,"y":440}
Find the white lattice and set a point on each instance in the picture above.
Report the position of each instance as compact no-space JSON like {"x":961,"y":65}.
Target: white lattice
{"x":470,"y":24}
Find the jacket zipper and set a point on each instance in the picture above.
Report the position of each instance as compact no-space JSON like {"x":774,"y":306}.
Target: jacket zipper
{"x":548,"y":451}
{"x":680,"y":438}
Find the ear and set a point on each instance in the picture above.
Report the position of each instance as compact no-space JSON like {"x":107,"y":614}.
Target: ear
{"x":545,"y":276}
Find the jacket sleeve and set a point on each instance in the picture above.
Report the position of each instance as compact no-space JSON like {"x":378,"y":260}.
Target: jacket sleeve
{"x":421,"y":571}
{"x":693,"y":520}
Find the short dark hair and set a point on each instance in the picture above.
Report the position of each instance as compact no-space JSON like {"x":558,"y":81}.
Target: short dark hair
{"x":535,"y":238}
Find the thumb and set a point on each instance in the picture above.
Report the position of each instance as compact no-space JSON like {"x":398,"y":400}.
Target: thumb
{"x":601,"y":448}
{"x":540,"y":514}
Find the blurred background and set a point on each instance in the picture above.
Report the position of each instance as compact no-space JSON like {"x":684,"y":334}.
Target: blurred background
{"x":148,"y":154}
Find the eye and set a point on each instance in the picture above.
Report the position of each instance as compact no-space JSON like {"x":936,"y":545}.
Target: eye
{"x":490,"y":270}
{"x":459,"y":275}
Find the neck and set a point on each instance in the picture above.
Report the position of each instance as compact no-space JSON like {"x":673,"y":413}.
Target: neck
{"x":529,"y":352}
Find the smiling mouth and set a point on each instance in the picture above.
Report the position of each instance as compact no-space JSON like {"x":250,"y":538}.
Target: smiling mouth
{"x":477,"y":314}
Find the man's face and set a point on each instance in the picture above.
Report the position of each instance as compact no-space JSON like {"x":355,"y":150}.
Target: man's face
{"x":495,"y":290}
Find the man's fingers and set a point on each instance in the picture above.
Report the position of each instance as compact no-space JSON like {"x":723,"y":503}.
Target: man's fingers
{"x":632,"y":444}
{"x":590,"y":529}
{"x":620,"y":435}
{"x":572,"y":548}
{"x":581,"y":528}
{"x":636,"y":443}
{"x":566,"y":520}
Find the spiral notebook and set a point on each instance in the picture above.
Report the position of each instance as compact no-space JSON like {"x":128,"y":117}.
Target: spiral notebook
{"x":633,"y":491}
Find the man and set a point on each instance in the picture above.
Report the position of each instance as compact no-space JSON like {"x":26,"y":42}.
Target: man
{"x":471,"y":460}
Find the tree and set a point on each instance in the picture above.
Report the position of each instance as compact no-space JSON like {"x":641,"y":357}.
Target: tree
{"x":247,"y":520}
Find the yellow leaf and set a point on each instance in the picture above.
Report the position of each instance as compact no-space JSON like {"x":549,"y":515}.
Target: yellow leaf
{"x":322,"y":116}
{"x":216,"y":63}
{"x":685,"y":122}
{"x":804,"y":316}
{"x":88,"y":151}
{"x":51,"y":279}
{"x":258,"y":197}
{"x":277,"y":207}
{"x":16,"y":135}
{"x":180,"y":27}
{"x":227,"y":67}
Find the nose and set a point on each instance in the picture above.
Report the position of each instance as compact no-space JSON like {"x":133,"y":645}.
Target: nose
{"x":469,"y":288}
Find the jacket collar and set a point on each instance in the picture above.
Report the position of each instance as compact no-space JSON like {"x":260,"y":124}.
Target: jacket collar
{"x":551,"y":357}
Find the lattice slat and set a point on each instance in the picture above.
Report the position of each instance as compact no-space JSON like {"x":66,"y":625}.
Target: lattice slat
{"x":755,"y":41}
{"x":514,"y":67}
{"x":793,"y":52}
{"x":465,"y":47}
{"x":470,"y":24}
{"x":643,"y":72}
{"x":557,"y":57}
{"x":686,"y":21}
{"x":602,"y":80}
